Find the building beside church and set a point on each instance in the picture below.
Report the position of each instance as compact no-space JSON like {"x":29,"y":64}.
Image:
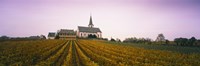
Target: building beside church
{"x":66,"y":34}
{"x":85,"y":32}
{"x":51,"y":35}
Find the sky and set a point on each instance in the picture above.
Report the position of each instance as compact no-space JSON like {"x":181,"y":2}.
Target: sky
{"x":116,"y":18}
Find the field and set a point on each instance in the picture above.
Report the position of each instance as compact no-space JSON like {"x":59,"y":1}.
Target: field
{"x":92,"y":53}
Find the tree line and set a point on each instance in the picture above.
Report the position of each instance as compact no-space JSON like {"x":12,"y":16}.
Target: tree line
{"x":138,"y":40}
{"x":161,"y":40}
{"x":186,"y":42}
{"x":5,"y":38}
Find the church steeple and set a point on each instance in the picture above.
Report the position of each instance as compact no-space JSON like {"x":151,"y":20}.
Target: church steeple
{"x":90,"y":23}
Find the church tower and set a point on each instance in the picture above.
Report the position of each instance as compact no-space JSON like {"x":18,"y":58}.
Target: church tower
{"x":90,"y":23}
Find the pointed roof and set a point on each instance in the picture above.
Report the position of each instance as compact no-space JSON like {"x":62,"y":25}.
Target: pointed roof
{"x":90,"y":23}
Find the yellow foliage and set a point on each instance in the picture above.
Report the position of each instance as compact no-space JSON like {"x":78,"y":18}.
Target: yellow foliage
{"x":88,"y":53}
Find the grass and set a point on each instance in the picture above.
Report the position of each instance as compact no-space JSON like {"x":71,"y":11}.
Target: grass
{"x":179,"y":49}
{"x":95,"y":52}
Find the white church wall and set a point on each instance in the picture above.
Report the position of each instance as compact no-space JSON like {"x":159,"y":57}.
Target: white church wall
{"x":85,"y":34}
{"x":99,"y":34}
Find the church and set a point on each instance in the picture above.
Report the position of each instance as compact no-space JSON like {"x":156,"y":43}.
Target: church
{"x":85,"y":32}
{"x":82,"y":32}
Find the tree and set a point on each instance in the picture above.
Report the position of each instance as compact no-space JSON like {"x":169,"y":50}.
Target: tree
{"x":192,"y":41}
{"x":138,"y":40}
{"x":181,"y":41}
{"x":131,"y":40}
{"x":112,"y":39}
{"x":160,"y":38}
{"x":184,"y":41}
{"x":4,"y":37}
{"x":177,"y":41}
{"x":118,"y":40}
{"x":105,"y":39}
{"x":198,"y":41}
{"x":57,"y":36}
{"x":42,"y":37}
{"x":166,"y":41}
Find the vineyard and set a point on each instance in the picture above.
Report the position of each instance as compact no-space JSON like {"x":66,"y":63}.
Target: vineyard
{"x":87,"y":53}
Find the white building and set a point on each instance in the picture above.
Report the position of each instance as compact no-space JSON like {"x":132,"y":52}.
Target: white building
{"x":85,"y":32}
{"x":51,"y":35}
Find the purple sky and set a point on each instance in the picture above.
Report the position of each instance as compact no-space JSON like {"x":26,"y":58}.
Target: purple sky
{"x":116,"y":18}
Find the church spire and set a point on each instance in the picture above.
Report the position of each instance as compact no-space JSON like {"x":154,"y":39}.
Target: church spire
{"x":90,"y":23}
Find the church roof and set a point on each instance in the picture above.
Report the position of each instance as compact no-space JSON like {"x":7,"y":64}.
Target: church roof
{"x":88,"y":29}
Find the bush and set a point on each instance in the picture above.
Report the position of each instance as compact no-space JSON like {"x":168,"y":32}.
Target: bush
{"x":112,"y":39}
{"x":92,"y":36}
{"x":137,"y":40}
{"x":185,"y":42}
